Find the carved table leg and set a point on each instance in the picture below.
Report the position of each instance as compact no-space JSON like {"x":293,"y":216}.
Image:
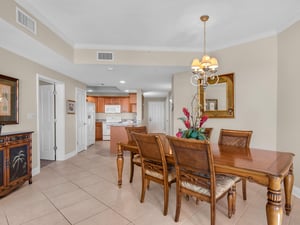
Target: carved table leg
{"x":288,"y":186}
{"x":274,"y":207}
{"x":120,"y":162}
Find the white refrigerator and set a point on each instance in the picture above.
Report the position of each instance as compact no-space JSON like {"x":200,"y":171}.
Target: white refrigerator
{"x":91,"y":123}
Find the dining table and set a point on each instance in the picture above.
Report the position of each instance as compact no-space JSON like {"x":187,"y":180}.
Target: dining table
{"x":265,"y":167}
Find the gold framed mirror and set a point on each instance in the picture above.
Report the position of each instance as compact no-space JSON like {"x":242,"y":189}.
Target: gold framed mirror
{"x":217,"y":101}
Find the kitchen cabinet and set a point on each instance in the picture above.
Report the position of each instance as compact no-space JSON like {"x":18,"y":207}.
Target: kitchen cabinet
{"x":99,"y":131}
{"x":111,"y":101}
{"x":133,"y":108}
{"x":132,"y":98}
{"x":92,"y":99}
{"x":128,"y":103}
{"x":100,"y":105}
{"x":124,"y":102}
{"x":15,"y":161}
{"x":132,"y":102}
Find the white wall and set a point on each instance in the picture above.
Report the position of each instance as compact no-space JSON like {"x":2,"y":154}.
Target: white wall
{"x":255,"y":82}
{"x":26,"y":71}
{"x":288,"y":129}
{"x":266,"y":93}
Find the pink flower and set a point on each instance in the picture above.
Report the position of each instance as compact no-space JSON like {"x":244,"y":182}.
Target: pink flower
{"x":203,"y":120}
{"x":179,"y":134}
{"x":187,"y":124}
{"x":186,"y":112}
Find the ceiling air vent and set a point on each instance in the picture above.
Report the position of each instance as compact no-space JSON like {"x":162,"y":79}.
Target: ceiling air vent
{"x":105,"y":56}
{"x":25,"y":20}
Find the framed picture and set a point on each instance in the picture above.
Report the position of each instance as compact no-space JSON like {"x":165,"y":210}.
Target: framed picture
{"x":9,"y":100}
{"x":70,"y":107}
{"x":211,"y":104}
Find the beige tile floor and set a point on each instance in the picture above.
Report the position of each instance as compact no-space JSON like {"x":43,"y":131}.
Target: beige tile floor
{"x":83,"y":190}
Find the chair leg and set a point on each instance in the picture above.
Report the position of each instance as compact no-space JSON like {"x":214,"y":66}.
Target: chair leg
{"x":244,"y":187}
{"x":166,"y":198}
{"x":233,"y":199}
{"x":230,"y":203}
{"x":144,"y":183}
{"x":131,"y":167}
{"x":212,"y":213}
{"x":178,"y":205}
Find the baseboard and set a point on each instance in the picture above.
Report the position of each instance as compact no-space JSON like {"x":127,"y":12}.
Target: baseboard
{"x":69,"y":155}
{"x":35,"y":171}
{"x":296,"y":191}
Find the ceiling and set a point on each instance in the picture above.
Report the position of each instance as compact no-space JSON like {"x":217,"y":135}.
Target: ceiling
{"x":156,"y":25}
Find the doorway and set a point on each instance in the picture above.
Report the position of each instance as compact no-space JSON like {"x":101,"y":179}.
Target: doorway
{"x":156,"y":117}
{"x":47,"y":124}
{"x":81,"y":120}
{"x":50,"y":120}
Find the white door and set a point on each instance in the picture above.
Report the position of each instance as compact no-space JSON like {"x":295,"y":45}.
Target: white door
{"x":81,"y":119}
{"x":46,"y":118}
{"x":156,"y":117}
{"x":91,"y":122}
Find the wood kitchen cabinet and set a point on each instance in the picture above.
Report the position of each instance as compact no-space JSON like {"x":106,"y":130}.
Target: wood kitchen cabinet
{"x":124,"y":102}
{"x":128,"y":103}
{"x":111,"y":101}
{"x":93,"y":99}
{"x":15,"y":161}
{"x":132,"y":98}
{"x":132,"y":102}
{"x":98,"y":131}
{"x":100,"y":105}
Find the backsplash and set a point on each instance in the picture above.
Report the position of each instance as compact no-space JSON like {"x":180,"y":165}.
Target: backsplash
{"x":124,"y":116}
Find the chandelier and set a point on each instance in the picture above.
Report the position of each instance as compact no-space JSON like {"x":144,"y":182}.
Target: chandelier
{"x":204,"y":70}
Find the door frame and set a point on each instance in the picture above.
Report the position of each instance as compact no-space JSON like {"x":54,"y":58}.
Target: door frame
{"x":84,"y":113}
{"x":60,"y":119}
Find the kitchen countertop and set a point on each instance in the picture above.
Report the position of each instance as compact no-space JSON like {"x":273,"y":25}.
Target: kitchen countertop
{"x":124,"y":124}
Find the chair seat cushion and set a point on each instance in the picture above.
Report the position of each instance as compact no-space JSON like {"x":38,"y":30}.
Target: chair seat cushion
{"x":223,"y":183}
{"x":137,"y":159}
{"x":234,"y":178}
{"x":171,"y":174}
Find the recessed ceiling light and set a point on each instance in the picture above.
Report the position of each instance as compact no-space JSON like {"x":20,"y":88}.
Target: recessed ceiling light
{"x":122,"y":81}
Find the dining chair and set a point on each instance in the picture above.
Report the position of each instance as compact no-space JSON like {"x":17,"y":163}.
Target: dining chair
{"x":236,"y":138}
{"x":134,"y":157}
{"x":207,"y":132}
{"x":154,"y":164}
{"x":195,"y":175}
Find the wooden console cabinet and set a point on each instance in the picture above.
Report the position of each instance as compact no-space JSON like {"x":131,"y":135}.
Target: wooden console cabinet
{"x":15,"y":160}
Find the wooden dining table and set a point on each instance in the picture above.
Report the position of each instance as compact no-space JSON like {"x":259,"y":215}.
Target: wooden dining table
{"x":265,"y":167}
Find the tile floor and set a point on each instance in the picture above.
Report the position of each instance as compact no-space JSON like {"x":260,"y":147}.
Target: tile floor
{"x":83,"y":191}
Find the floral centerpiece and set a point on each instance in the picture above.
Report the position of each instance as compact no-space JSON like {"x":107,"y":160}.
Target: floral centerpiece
{"x":193,"y":123}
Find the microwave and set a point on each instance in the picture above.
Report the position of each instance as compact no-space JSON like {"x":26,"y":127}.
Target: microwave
{"x":112,"y":108}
